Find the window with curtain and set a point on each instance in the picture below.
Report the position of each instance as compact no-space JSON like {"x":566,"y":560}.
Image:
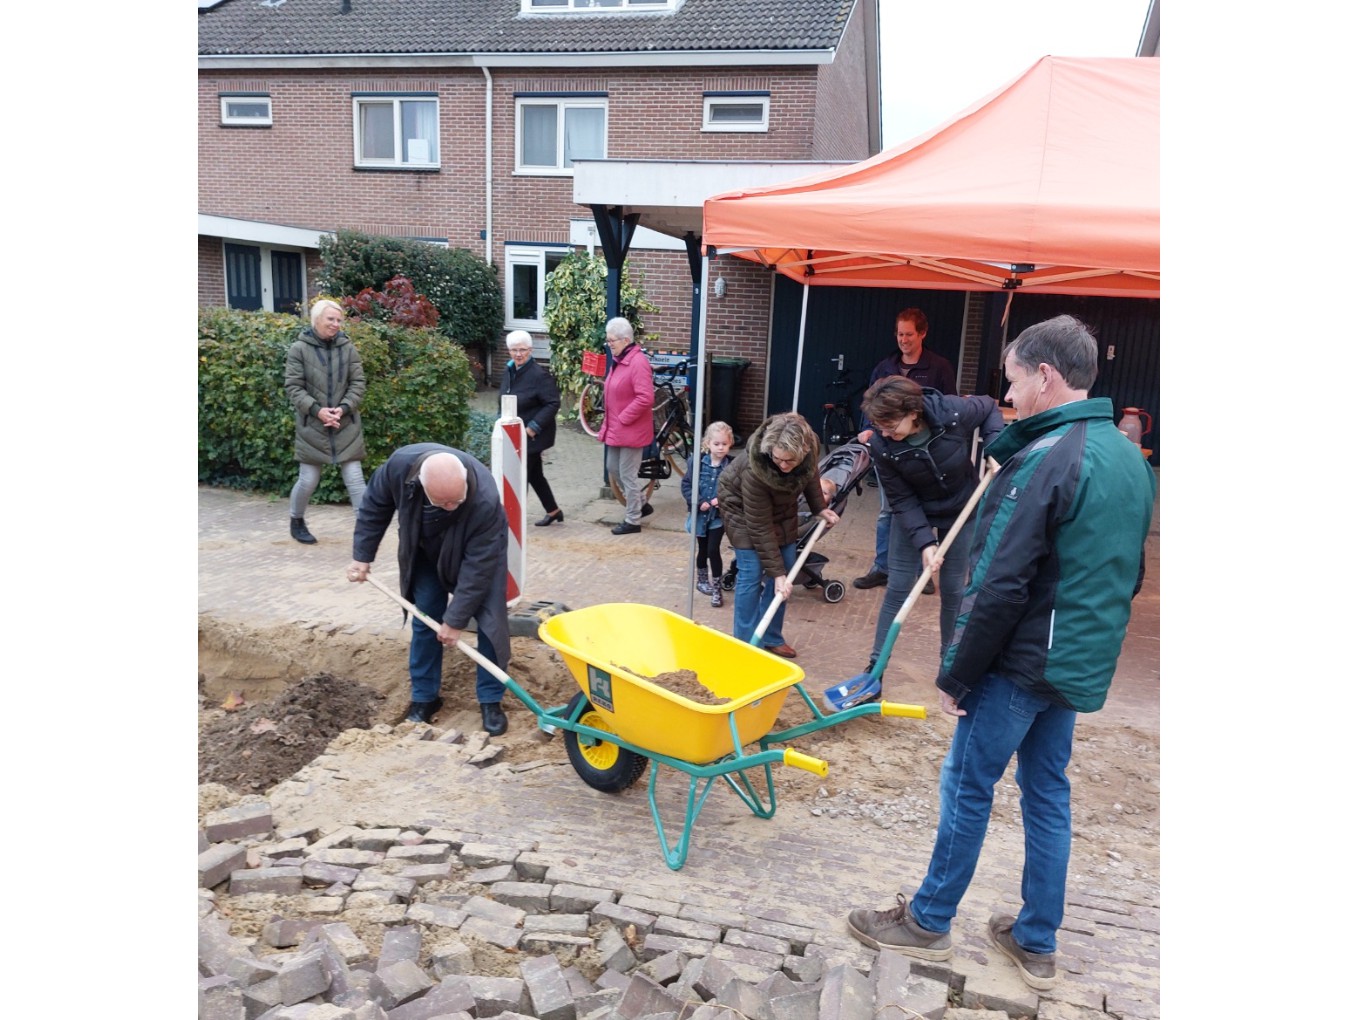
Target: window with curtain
{"x":552,"y":133}
{"x":396,"y":131}
{"x":528,"y":267}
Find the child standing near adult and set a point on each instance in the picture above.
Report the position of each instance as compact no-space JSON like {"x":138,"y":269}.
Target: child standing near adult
{"x":708,"y":525}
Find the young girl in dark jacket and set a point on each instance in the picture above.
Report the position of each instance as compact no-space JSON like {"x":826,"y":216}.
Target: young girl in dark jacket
{"x":708,"y":525}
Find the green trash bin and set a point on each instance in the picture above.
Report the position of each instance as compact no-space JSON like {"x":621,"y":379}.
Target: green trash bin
{"x":725,"y":385}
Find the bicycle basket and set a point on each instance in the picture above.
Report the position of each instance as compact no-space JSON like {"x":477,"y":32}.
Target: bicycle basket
{"x":592,"y":363}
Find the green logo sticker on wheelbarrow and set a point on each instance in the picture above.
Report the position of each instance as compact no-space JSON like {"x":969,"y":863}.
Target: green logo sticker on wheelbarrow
{"x":601,"y":687}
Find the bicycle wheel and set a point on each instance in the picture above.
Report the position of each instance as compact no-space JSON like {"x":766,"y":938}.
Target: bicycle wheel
{"x":590,"y":409}
{"x":647,"y":490}
{"x":676,"y":444}
{"x":837,"y":429}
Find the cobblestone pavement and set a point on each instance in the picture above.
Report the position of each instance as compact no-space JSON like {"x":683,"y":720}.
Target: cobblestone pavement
{"x":250,"y":570}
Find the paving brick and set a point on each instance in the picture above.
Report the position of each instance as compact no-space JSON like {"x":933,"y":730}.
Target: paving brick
{"x":373,"y":881}
{"x":551,"y":942}
{"x":451,"y":958}
{"x":319,"y":873}
{"x":613,"y":979}
{"x":796,"y":936}
{"x":375,"y":839}
{"x":421,"y":874}
{"x":614,"y":951}
{"x":687,"y":929}
{"x":348,"y":984}
{"x":400,"y":982}
{"x":399,"y":944}
{"x":301,"y":978}
{"x":621,"y":916}
{"x":497,"y":994}
{"x":532,"y":865}
{"x":804,"y":1004}
{"x":251,"y":970}
{"x":504,"y":935}
{"x":743,"y":998}
{"x":664,"y":968}
{"x":651,"y":905}
{"x":493,"y":875}
{"x":846,"y":995}
{"x":749,"y":964}
{"x":341,"y":937}
{"x":421,"y":853}
{"x":337,"y":837}
{"x":250,"y":819}
{"x":721,"y":916}
{"x":532,"y":897}
{"x":751,"y":940}
{"x":283,"y":932}
{"x":486,"y":855}
{"x":217,"y":947}
{"x":450,"y":997}
{"x":777,"y":984}
{"x":282,"y":881}
{"x":566,"y":924}
{"x":452,"y":837}
{"x":655,"y":945}
{"x":578,"y":983}
{"x":284,"y":848}
{"x":643,"y":996}
{"x":440,"y":916}
{"x":219,"y":998}
{"x":549,"y":996}
{"x":578,"y":899}
{"x":714,"y":977}
{"x":346,"y":858}
{"x":899,"y":986}
{"x":490,"y":910}
{"x":216,"y":863}
{"x":603,"y":998}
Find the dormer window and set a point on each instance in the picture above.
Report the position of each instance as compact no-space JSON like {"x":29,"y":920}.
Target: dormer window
{"x":596,"y":6}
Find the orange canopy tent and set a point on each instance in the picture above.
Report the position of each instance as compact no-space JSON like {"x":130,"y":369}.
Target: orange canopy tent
{"x":1048,"y":185}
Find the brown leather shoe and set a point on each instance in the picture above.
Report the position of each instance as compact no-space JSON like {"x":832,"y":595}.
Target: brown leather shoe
{"x":785,"y":650}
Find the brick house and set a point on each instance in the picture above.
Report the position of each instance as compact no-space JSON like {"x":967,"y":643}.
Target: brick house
{"x":458,"y":124}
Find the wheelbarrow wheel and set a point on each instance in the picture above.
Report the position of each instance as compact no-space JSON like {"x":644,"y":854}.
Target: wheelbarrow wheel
{"x":834,"y":591}
{"x":602,"y":765}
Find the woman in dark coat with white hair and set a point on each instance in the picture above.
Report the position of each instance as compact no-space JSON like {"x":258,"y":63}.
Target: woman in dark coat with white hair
{"x":537,"y":400}
{"x":325,"y":383}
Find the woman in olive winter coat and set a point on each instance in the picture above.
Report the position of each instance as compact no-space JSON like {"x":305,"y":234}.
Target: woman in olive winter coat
{"x":325,"y":383}
{"x":537,"y":400}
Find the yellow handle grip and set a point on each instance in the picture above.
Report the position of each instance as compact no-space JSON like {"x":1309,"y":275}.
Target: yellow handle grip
{"x":910,"y":711}
{"x":804,"y":761}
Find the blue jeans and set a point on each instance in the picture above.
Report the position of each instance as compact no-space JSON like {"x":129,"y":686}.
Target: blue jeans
{"x":1004,"y":721}
{"x":904,"y":567}
{"x":881,"y":528}
{"x":752,"y":596}
{"x":427,"y":654}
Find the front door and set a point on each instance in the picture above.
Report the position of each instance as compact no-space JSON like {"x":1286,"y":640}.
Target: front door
{"x":243,"y":276}
{"x":287,"y":272}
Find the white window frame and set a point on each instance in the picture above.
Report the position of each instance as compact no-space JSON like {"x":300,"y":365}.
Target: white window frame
{"x":535,"y":255}
{"x":563,"y":103}
{"x":596,"y":6}
{"x":761,"y":126}
{"x":225,"y":100}
{"x":396,"y":101}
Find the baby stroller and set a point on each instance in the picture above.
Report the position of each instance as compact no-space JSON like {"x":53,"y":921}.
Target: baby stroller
{"x":844,"y":468}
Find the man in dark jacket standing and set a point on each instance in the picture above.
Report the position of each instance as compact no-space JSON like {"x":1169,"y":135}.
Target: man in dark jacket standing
{"x":1055,"y":561}
{"x":451,"y":558}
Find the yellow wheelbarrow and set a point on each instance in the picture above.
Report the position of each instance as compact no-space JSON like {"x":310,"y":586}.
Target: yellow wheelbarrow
{"x":623,"y":655}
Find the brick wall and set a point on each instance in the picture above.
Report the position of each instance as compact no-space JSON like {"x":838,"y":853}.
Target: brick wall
{"x":212,"y":275}
{"x":841,"y":130}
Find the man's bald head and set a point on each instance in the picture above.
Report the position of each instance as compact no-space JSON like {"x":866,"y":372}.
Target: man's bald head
{"x":444,"y":479}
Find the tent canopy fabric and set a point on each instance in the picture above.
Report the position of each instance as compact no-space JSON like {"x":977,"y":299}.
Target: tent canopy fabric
{"x":1048,"y":185}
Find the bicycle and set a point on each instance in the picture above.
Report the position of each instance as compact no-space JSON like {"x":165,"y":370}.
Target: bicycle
{"x":838,"y":426}
{"x":672,"y":433}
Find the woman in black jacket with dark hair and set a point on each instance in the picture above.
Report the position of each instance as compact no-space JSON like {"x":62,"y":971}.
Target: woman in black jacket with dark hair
{"x":922,"y":448}
{"x":537,"y":401}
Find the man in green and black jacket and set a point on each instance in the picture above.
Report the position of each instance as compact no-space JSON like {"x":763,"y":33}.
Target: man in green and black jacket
{"x":1055,"y":561}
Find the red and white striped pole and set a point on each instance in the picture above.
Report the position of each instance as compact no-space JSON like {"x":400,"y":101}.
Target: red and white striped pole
{"x":510,"y":469}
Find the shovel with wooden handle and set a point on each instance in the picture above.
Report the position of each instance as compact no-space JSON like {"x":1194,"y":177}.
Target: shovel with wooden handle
{"x":864,"y":687}
{"x":793,"y":572}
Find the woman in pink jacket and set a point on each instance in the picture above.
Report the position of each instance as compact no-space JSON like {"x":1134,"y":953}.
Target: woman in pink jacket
{"x":627,"y":428}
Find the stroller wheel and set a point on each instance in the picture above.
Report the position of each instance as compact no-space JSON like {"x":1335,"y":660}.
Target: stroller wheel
{"x":729,"y":579}
{"x":834,"y":591}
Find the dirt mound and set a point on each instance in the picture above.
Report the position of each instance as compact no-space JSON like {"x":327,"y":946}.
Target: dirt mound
{"x":254,"y":747}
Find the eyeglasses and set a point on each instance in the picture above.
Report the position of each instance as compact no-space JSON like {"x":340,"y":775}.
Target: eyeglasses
{"x":784,"y":462}
{"x":520,"y":350}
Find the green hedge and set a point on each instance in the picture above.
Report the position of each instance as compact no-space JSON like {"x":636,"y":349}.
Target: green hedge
{"x":465,"y":289}
{"x":419,"y":390}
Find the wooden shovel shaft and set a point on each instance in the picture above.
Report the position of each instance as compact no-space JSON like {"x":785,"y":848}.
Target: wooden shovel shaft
{"x":434,"y":625}
{"x":793,"y":572}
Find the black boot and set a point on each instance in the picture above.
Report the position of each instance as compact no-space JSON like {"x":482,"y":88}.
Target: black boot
{"x":297,"y":527}
{"x":493,"y":718}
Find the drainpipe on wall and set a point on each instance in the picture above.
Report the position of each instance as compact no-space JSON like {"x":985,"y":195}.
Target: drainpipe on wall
{"x":486,"y":73}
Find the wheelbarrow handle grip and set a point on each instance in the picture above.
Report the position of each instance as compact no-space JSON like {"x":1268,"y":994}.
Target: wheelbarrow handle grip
{"x":804,"y":761}
{"x":900,"y":709}
{"x":463,"y":647}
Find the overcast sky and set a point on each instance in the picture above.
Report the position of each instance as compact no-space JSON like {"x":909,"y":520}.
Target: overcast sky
{"x":940,"y":58}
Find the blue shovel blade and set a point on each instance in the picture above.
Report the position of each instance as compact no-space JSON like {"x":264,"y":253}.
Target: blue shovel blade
{"x":855,"y":691}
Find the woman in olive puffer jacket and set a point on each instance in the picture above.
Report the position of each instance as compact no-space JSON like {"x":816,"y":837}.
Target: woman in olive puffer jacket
{"x":325,"y":383}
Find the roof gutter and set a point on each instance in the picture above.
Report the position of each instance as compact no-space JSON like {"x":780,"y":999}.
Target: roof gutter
{"x":486,"y":74}
{"x":669,"y":58}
